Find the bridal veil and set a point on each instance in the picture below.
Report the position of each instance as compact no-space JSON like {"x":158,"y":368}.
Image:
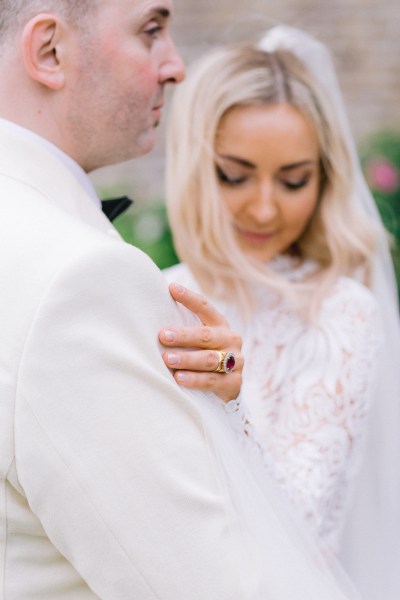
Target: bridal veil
{"x":371,"y":541}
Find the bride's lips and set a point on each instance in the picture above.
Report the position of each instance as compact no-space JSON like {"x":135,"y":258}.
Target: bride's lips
{"x":254,"y":237}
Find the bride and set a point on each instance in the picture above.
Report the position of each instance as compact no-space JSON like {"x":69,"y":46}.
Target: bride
{"x":307,"y":279}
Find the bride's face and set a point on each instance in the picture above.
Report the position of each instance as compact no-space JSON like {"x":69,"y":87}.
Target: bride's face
{"x":269,"y":175}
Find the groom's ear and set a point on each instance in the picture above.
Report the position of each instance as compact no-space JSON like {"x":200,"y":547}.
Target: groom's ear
{"x":43,"y":41}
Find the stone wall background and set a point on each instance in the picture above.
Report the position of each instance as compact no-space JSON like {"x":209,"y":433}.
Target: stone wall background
{"x":363,"y":36}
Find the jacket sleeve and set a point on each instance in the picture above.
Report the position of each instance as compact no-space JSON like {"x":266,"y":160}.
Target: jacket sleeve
{"x":110,"y":452}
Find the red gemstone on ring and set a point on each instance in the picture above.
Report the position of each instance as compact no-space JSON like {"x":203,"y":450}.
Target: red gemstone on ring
{"x":229,"y":362}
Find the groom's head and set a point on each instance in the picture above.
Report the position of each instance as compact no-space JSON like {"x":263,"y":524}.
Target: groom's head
{"x":88,"y":75}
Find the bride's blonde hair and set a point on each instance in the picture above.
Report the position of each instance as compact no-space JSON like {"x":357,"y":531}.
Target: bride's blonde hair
{"x":340,"y":237}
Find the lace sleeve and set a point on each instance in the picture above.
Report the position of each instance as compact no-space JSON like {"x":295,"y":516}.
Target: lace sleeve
{"x":310,"y":405}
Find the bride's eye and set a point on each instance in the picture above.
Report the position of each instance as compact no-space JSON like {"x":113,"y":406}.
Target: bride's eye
{"x":296,"y":184}
{"x":228,"y":179}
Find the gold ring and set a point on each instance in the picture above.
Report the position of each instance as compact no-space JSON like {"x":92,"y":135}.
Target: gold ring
{"x":226,"y":362}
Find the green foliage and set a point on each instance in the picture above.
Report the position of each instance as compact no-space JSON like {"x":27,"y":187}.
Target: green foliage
{"x":147,"y":228}
{"x":380,"y":159}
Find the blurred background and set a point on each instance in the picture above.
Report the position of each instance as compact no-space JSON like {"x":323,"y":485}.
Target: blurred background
{"x":363,"y":36}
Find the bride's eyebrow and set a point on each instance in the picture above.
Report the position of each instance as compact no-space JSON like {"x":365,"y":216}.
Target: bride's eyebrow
{"x":295,"y":165}
{"x":240,"y":161}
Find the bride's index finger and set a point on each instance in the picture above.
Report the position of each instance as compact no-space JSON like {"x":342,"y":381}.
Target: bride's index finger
{"x":198,"y":304}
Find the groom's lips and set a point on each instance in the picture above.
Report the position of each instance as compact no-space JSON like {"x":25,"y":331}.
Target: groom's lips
{"x":157,"y":113}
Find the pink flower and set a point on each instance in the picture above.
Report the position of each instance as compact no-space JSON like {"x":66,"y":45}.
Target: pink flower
{"x":382,"y":175}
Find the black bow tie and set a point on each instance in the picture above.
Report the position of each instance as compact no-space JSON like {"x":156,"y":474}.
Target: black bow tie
{"x":113,"y":207}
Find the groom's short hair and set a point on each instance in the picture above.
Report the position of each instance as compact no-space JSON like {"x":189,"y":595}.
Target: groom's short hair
{"x":15,"y":13}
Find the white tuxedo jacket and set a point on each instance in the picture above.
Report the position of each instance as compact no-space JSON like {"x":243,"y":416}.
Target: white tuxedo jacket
{"x":108,"y":488}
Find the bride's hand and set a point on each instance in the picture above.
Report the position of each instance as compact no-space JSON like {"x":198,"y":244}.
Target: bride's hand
{"x":195,"y":367}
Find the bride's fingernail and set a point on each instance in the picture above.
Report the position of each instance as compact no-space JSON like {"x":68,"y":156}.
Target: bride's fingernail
{"x":170,"y":335}
{"x":172,"y":358}
{"x":179,"y":288}
{"x":181,"y":377}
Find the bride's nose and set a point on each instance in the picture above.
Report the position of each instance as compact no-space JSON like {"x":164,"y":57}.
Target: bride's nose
{"x":263,"y":207}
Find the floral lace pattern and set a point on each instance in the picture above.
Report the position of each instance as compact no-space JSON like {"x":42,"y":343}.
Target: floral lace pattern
{"x":307,"y":390}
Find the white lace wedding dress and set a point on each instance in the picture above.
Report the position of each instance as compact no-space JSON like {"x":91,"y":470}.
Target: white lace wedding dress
{"x":307,"y":390}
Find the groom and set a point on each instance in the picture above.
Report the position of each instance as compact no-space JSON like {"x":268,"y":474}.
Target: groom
{"x":108,"y":486}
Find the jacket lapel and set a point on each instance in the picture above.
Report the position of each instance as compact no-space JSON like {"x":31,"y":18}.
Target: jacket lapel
{"x":24,"y":159}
